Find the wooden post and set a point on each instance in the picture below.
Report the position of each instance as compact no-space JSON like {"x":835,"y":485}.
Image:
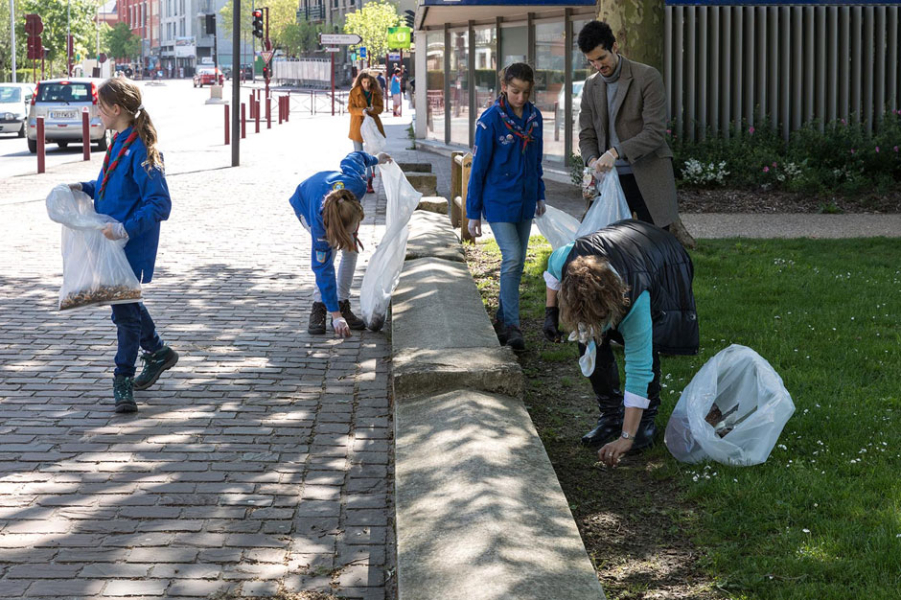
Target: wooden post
{"x":466,"y":166}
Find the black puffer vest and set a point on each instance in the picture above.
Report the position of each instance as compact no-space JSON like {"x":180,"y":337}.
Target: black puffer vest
{"x":650,"y":259}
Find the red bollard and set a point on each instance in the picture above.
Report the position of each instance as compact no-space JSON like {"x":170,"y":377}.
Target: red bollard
{"x":252,"y":103}
{"x":281,"y":109}
{"x":243,"y":120}
{"x":257,"y":115}
{"x":268,"y":112}
{"x":85,"y":134}
{"x":287,"y":106}
{"x":227,"y":141}
{"x":40,"y":144}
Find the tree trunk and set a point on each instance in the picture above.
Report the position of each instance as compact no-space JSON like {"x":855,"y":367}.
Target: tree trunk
{"x":639,"y":28}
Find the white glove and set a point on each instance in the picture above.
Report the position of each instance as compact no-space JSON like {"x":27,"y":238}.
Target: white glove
{"x":383,"y":157}
{"x":75,"y":187}
{"x":341,"y":328}
{"x":115,"y":231}
{"x":475,"y":228}
{"x":540,"y":208}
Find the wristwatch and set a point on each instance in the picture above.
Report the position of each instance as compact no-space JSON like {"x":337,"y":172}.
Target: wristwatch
{"x":627,"y":436}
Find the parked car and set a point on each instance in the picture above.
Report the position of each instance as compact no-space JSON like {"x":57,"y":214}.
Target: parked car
{"x":15,"y":99}
{"x":246,"y":73}
{"x":577,"y":102}
{"x":61,"y":102}
{"x":208,"y":76}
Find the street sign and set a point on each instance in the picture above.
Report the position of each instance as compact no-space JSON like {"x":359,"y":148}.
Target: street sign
{"x":332,"y":49}
{"x":33,"y":24}
{"x":362,"y":51}
{"x":267,"y":56}
{"x":399,"y":38}
{"x":394,"y":56}
{"x":339,"y":39}
{"x":102,"y":58}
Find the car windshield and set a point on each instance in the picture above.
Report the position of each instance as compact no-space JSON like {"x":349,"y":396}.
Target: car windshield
{"x":577,"y":87}
{"x":10,"y":94}
{"x":65,"y":92}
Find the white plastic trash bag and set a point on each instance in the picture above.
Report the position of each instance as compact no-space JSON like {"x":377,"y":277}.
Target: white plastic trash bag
{"x":373,"y":140}
{"x":558,"y":227}
{"x":609,"y":206}
{"x":387,"y":261}
{"x":95,"y":269}
{"x":732,"y":411}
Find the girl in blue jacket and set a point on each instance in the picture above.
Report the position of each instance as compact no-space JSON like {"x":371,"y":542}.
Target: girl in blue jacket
{"x":132,"y":189}
{"x":506,"y":186}
{"x":328,"y":207}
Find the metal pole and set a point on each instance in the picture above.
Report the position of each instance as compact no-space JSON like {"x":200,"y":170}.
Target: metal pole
{"x":236,"y":84}
{"x":267,"y":63}
{"x":12,"y":34}
{"x":332,"y":54}
{"x":68,"y":39}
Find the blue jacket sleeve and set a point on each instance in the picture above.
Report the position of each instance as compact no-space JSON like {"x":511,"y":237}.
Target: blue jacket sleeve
{"x":481,"y":162}
{"x":371,"y":161}
{"x":638,"y":335}
{"x":324,"y":271}
{"x":540,"y":158}
{"x":88,"y":188}
{"x":156,"y":203}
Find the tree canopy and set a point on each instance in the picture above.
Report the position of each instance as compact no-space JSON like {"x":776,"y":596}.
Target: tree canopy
{"x":371,"y":23}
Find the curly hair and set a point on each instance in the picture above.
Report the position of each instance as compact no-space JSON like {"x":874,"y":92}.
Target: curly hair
{"x":594,"y":34}
{"x":593,"y":295}
{"x":121,"y":91}
{"x":375,"y":87}
{"x":340,"y":210}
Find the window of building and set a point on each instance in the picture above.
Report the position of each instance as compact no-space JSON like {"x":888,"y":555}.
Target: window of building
{"x":435,"y":85}
{"x":549,"y":92}
{"x":486,"y":68}
{"x":459,"y":86}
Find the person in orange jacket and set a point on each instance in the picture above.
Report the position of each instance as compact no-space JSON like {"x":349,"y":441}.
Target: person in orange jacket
{"x":365,"y":99}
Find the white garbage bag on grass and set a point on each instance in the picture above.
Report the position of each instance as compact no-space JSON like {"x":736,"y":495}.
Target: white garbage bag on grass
{"x":732,"y":411}
{"x":387,"y":261}
{"x":373,"y":140}
{"x":95,"y":269}
{"x":609,"y":207}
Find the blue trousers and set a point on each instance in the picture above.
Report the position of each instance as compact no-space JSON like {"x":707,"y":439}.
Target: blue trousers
{"x":135,"y":330}
{"x":513,"y":240}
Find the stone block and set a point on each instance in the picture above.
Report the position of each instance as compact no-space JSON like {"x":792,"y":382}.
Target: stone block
{"x":415,"y":167}
{"x":425,"y":183}
{"x":431,"y":235}
{"x":435,"y":204}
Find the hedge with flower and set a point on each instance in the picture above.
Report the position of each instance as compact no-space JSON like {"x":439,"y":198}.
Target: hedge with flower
{"x":843,"y":158}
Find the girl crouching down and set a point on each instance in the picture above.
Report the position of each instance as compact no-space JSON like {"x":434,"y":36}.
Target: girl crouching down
{"x":328,"y":207}
{"x":629,"y":282}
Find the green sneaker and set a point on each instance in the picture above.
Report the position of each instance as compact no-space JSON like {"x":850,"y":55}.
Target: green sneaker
{"x":154,"y":364}
{"x":123,"y":393}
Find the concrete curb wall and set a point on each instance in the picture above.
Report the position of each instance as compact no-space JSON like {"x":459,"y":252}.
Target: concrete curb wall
{"x":480,"y":513}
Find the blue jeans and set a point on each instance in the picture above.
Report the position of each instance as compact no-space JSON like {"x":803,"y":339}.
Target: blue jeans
{"x":513,"y":240}
{"x":135,"y":329}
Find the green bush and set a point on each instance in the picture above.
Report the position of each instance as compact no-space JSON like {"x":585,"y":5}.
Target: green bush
{"x":843,"y":157}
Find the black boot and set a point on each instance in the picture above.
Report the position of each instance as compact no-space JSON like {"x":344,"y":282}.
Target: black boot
{"x":610,"y":421}
{"x":317,"y":319}
{"x":353,"y":321}
{"x":515,"y":339}
{"x":123,"y":394}
{"x":647,"y":427}
{"x":500,"y":330}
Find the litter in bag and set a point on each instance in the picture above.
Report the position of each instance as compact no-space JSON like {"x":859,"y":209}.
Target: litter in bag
{"x":373,"y":140}
{"x":95,"y":269}
{"x":387,"y":262}
{"x":732,"y":411}
{"x":608,"y":207}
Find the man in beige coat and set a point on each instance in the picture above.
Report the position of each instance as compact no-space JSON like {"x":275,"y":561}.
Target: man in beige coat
{"x":633,"y":94}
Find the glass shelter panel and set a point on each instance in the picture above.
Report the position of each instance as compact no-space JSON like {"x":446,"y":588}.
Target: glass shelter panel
{"x":435,"y":80}
{"x":486,"y":68}
{"x":459,"y":89}
{"x":548,"y":96}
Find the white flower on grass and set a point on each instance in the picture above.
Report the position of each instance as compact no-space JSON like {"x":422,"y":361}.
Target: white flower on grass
{"x":806,"y":530}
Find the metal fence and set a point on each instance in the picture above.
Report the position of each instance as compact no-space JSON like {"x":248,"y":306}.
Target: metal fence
{"x":734,"y":66}
{"x":305,"y":72}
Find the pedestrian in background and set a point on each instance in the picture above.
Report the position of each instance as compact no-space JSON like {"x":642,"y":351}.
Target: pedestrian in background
{"x":328,"y":206}
{"x":132,"y":189}
{"x":365,"y":99}
{"x":622,"y":125}
{"x":395,"y":91}
{"x":506,"y":187}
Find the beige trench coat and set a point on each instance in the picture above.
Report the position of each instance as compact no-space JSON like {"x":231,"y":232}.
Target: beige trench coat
{"x":641,"y":127}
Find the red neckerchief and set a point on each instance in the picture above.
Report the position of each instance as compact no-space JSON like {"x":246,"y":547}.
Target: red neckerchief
{"x":109,"y":168}
{"x":513,"y":127}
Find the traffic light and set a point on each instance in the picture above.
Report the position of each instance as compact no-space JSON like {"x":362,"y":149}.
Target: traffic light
{"x":266,"y":73}
{"x":258,"y":23}
{"x":210,"y":24}
{"x":409,"y":18}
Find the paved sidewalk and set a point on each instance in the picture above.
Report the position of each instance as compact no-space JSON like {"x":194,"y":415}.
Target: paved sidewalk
{"x":262,"y":463}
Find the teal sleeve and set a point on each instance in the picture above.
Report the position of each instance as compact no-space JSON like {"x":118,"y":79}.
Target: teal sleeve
{"x":638,"y":337}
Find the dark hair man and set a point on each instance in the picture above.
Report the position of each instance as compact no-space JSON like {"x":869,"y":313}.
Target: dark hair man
{"x":622,"y":125}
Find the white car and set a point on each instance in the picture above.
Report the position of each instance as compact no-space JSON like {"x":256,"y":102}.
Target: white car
{"x":577,"y":101}
{"x":15,"y":99}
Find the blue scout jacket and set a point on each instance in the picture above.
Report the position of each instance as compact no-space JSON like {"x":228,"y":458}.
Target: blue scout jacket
{"x":505,"y":184}
{"x":136,"y":197}
{"x":307,"y":204}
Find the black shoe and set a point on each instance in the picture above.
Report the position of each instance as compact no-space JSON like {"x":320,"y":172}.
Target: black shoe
{"x":353,"y":321}
{"x":610,"y":421}
{"x":515,"y":339}
{"x":317,"y":319}
{"x":123,"y":393}
{"x":500,"y":330}
{"x":154,"y":364}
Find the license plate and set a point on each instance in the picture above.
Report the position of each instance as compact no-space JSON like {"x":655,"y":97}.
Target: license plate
{"x":63,"y":114}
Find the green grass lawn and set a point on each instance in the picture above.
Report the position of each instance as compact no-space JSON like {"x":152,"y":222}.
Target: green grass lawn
{"x":821,"y":518}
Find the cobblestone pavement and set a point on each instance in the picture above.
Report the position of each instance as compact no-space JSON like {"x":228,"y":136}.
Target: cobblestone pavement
{"x":262,"y":463}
